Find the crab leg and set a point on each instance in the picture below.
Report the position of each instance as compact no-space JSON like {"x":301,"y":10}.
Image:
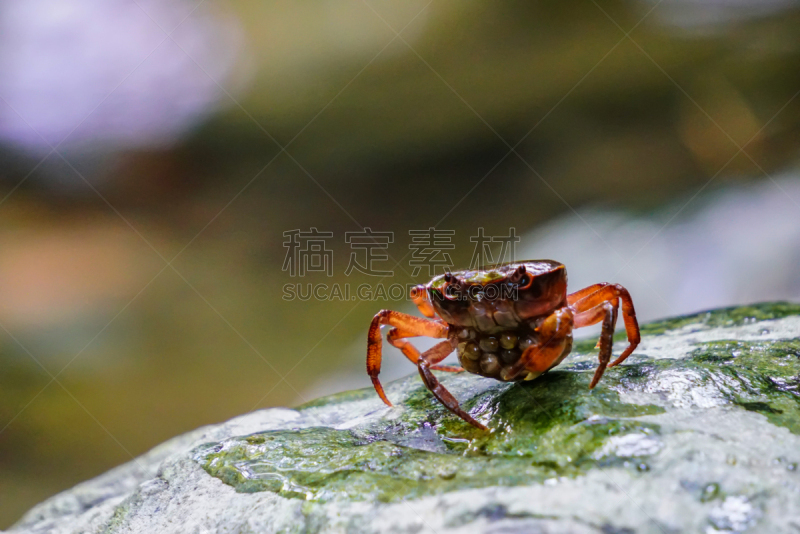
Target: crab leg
{"x":581,"y":294}
{"x":395,"y":338}
{"x":592,"y":296}
{"x":594,"y":316}
{"x":408,"y":324}
{"x":606,"y":312}
{"x":431,"y":357}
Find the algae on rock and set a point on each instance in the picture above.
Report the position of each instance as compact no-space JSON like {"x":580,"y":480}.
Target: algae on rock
{"x":699,"y":431}
{"x":538,"y":431}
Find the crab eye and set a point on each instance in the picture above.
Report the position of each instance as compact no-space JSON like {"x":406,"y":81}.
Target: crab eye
{"x":525,"y":282}
{"x":450,"y":292}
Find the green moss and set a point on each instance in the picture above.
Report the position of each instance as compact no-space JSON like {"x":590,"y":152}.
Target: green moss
{"x":550,"y":427}
{"x":778,"y":360}
{"x":585,"y":346}
{"x":723,"y":317}
{"x":767,"y":375}
{"x":710,"y":492}
{"x":118,"y":518}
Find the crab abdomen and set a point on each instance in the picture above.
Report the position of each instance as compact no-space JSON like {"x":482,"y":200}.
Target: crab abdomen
{"x":493,"y":355}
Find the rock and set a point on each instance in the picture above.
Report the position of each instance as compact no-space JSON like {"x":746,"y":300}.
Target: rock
{"x":699,"y":431}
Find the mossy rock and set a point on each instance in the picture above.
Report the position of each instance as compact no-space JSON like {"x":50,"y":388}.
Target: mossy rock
{"x":699,"y":431}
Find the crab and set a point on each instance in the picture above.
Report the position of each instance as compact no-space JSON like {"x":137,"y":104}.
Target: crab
{"x":511,"y":322}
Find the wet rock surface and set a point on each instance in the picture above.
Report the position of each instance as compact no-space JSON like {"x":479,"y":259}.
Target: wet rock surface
{"x":699,"y":431}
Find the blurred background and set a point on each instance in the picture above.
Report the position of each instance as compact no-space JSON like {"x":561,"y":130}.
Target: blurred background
{"x":153,"y":153}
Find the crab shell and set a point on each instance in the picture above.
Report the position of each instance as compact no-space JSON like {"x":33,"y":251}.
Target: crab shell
{"x":500,"y":297}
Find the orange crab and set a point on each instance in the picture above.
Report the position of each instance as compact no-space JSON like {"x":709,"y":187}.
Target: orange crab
{"x":510,"y":322}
